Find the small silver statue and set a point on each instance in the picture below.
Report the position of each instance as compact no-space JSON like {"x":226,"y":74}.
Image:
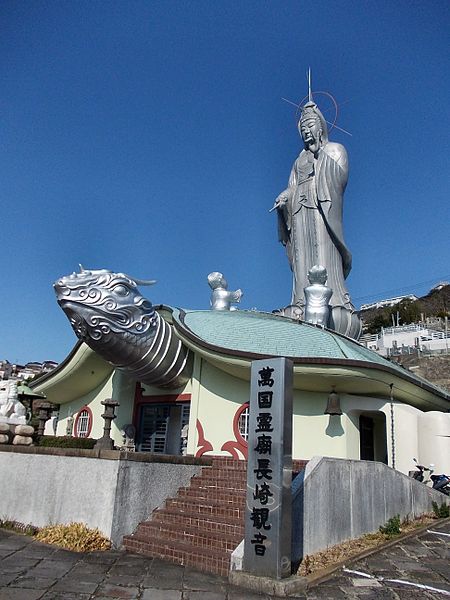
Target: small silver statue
{"x":317,"y":297}
{"x":107,"y":312}
{"x":310,"y":218}
{"x":221,"y":298}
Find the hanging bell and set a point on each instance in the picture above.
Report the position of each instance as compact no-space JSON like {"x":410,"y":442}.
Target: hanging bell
{"x":334,"y":404}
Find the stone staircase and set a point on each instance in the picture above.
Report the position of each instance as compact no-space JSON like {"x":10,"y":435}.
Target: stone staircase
{"x":202,"y":525}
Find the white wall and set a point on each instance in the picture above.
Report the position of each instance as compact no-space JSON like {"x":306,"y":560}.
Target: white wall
{"x":434,"y":441}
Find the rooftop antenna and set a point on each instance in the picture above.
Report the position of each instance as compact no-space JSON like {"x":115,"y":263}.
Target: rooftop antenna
{"x":310,"y":99}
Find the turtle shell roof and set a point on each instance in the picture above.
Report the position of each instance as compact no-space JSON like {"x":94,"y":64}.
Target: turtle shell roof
{"x":252,"y":334}
{"x":267,"y":334}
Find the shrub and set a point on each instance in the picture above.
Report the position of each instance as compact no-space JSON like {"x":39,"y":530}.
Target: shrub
{"x":442,"y":511}
{"x":74,"y":536}
{"x":392,"y":526}
{"x":66,"y":441}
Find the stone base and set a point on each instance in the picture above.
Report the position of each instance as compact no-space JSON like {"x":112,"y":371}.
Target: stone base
{"x":104,"y":443}
{"x":14,"y":420}
{"x":13,"y":431}
{"x":265,"y":585}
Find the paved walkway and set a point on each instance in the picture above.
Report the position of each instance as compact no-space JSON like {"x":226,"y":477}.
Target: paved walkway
{"x":30,"y":570}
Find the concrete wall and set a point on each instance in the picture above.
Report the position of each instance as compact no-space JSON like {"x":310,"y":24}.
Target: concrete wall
{"x":113,"y":493}
{"x":142,"y":487}
{"x":338,"y":500}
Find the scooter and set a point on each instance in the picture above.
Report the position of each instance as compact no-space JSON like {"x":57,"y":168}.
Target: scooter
{"x":419,"y":475}
{"x":441,"y":483}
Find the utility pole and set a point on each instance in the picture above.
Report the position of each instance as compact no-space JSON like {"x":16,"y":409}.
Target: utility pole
{"x":446,"y":334}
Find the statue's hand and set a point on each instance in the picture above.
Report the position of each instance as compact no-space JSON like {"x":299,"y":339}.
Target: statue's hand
{"x":280,"y":202}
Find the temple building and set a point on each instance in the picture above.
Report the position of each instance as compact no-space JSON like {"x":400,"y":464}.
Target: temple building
{"x":388,"y":413}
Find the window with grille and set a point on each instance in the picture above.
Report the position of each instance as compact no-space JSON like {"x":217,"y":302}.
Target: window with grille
{"x":185,"y":410}
{"x":243,"y":422}
{"x":83,"y":423}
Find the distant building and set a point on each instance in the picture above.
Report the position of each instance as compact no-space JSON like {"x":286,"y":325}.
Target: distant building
{"x":439,"y":286}
{"x":388,"y":302}
{"x":406,"y":339}
{"x":25,"y":372}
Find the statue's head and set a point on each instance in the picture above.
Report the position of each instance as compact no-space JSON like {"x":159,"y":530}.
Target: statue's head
{"x":99,"y":302}
{"x":217,"y":280}
{"x":313,"y":127}
{"x":317,"y":274}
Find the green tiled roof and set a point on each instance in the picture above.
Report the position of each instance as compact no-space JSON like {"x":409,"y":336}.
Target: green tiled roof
{"x":268,"y":334}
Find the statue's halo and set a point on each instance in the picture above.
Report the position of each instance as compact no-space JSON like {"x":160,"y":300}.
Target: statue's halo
{"x":300,"y":106}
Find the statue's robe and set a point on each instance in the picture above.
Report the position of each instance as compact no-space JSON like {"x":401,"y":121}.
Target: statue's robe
{"x":310,"y":224}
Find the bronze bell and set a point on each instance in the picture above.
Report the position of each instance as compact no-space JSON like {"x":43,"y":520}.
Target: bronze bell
{"x":334,"y":404}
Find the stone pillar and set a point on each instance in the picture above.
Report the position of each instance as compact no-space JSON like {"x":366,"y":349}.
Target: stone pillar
{"x":45,"y":410}
{"x":106,"y":442}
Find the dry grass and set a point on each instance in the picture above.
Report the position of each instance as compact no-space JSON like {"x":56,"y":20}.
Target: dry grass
{"x":346,"y":550}
{"x":74,"y":536}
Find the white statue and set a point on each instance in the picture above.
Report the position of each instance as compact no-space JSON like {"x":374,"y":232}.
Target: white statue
{"x":10,"y":407}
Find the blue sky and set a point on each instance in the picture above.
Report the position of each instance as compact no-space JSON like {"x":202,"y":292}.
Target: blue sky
{"x":151,"y":138}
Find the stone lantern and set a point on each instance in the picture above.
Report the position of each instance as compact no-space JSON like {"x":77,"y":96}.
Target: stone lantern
{"x":106,"y":442}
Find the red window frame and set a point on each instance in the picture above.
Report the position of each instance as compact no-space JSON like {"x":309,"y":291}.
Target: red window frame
{"x":77,"y":419}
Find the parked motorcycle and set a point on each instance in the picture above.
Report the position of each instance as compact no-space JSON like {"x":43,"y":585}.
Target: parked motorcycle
{"x":441,"y":483}
{"x":419,"y":474}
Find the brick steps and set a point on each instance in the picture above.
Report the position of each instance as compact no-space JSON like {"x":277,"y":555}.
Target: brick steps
{"x":234,"y":497}
{"x":220,"y":483}
{"x":203,"y":507}
{"x":203,"y":523}
{"x":218,"y":540}
{"x":212,"y":561}
{"x":231,"y":475}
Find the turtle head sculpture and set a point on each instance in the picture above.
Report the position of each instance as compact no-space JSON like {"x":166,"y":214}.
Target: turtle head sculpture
{"x":108,"y":313}
{"x":100,"y":304}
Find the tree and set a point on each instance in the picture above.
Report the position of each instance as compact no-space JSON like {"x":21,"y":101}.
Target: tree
{"x":409,"y":311}
{"x":380,"y":320}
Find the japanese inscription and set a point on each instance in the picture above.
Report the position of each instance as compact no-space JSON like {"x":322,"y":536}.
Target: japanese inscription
{"x":269,"y":471}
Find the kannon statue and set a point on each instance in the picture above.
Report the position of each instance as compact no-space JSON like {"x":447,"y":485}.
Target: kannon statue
{"x":310,"y":220}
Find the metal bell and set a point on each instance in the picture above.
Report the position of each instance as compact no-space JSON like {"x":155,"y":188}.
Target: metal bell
{"x":334,"y":404}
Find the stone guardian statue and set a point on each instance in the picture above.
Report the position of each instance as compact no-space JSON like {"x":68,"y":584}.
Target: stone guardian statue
{"x":310,"y":219}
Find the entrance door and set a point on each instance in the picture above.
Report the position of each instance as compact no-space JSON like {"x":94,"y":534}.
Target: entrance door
{"x":152,"y":433}
{"x":160,"y":428}
{"x":372,"y":436}
{"x":366,"y":440}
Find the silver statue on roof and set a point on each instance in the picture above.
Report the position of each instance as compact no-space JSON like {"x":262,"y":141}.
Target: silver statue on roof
{"x":221,"y":298}
{"x":310,"y":218}
{"x":317,"y":297}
